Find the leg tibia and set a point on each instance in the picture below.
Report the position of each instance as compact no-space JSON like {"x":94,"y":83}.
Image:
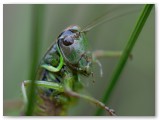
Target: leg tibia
{"x":92,"y":100}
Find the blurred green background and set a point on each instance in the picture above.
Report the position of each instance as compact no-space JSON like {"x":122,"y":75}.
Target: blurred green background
{"x":134,"y":95}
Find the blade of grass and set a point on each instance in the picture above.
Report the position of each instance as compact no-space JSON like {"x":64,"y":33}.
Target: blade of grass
{"x":126,"y":52}
{"x":37,"y":27}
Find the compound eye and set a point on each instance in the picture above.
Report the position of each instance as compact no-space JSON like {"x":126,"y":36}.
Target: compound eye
{"x":68,"y":41}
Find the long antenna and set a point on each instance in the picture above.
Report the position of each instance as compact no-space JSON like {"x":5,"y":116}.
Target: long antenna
{"x":110,"y":15}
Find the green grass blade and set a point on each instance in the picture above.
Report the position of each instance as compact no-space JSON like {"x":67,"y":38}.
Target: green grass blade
{"x":37,"y":27}
{"x":126,"y":52}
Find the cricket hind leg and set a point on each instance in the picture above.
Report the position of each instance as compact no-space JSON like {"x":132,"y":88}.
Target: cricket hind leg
{"x":24,"y":92}
{"x":44,"y":84}
{"x":56,"y":86}
{"x":92,"y":100}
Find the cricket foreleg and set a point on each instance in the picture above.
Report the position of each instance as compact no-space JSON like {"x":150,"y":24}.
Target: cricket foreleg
{"x":105,"y":54}
{"x":54,"y":69}
{"x":90,"y":99}
{"x":109,"y":54}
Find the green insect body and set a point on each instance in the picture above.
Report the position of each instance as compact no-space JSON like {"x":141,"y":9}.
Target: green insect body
{"x":57,"y":82}
{"x":57,"y":79}
{"x":72,"y":47}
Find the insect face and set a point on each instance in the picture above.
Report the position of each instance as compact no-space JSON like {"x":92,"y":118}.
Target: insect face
{"x":73,"y":45}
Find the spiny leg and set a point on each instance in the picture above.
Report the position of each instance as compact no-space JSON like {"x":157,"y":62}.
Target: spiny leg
{"x":69,"y":92}
{"x":90,"y":99}
{"x":68,"y":85}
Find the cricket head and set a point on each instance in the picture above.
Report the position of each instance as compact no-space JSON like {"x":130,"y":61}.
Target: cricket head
{"x":73,"y":45}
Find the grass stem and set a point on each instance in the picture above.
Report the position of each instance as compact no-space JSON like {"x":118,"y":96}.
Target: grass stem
{"x":126,"y":52}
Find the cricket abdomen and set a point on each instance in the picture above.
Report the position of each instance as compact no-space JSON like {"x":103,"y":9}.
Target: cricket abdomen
{"x":51,"y":102}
